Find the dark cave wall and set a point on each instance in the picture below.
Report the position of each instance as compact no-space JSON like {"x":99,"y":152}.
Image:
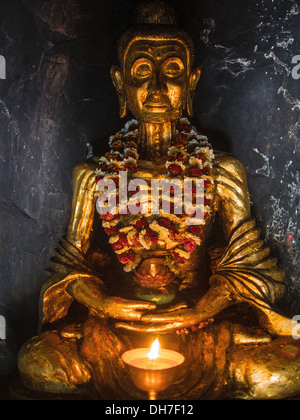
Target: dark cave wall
{"x":58,"y":97}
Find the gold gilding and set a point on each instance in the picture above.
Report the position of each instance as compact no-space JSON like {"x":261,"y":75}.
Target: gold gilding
{"x":90,"y":315}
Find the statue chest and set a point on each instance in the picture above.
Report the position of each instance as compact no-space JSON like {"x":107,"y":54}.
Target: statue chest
{"x":152,"y":218}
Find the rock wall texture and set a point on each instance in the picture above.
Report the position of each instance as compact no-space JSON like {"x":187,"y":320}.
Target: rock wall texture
{"x":58,"y":98}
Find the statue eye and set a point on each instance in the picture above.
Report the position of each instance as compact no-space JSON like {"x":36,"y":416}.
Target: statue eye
{"x":141,"y":69}
{"x":173,"y":67}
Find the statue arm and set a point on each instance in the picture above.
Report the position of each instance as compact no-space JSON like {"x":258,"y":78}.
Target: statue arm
{"x":73,"y":276}
{"x":246,"y":268}
{"x":69,"y":262}
{"x":245,"y":271}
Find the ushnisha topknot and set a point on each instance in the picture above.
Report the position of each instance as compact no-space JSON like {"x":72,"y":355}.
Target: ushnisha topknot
{"x":155,"y":19}
{"x":156,"y":12}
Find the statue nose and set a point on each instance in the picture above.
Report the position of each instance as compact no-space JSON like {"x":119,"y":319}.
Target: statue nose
{"x":157,"y":84}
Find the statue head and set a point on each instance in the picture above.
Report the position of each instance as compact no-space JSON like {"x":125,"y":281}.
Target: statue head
{"x":156,"y":79}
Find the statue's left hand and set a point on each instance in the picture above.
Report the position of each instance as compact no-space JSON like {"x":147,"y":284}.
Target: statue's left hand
{"x":212,"y":303}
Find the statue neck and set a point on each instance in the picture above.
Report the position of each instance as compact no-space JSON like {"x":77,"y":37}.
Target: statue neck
{"x":155,"y":139}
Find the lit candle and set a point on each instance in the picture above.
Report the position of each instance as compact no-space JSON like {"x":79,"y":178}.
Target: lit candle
{"x":153,"y":370}
{"x":155,"y":359}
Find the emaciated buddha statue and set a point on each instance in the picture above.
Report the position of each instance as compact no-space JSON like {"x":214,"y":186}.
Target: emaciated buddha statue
{"x":120,"y":280}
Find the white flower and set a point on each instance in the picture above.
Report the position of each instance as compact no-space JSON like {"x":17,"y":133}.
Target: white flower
{"x":113,"y":239}
{"x":144,"y":240}
{"x":130,"y":235}
{"x":182,"y":253}
{"x":175,"y":162}
{"x":164,"y":234}
{"x":207,"y":152}
{"x":193,"y":141}
{"x":103,"y":159}
{"x":202,"y":138}
{"x":196,"y":162}
{"x":132,"y":264}
{"x":126,"y":229}
{"x":174,"y":149}
{"x":99,"y":172}
{"x":129,"y":160}
{"x":194,"y":237}
{"x":106,"y":224}
{"x":131,"y":150}
{"x":128,"y":124}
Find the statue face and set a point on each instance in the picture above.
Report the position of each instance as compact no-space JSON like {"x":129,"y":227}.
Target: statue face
{"x":156,"y":79}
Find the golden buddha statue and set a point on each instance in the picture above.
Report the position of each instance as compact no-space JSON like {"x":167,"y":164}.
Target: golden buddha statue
{"x":118,"y":280}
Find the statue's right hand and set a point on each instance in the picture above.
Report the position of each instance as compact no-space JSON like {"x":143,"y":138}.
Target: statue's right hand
{"x":119,"y":308}
{"x":87,"y":292}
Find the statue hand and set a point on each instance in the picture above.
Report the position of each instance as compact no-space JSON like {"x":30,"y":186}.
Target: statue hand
{"x":212,"y":303}
{"x":119,"y":308}
{"x":162,"y":322}
{"x":87,"y":292}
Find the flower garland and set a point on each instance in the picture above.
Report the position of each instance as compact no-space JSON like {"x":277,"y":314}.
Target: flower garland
{"x":190,"y":156}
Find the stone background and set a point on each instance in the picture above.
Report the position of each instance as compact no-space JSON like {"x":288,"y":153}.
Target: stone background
{"x":58,"y":98}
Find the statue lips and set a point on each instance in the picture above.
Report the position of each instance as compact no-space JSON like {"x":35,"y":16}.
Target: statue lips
{"x":157,"y":103}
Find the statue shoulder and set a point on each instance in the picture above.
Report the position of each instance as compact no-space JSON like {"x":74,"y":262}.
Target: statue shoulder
{"x":85,"y":169}
{"x":228,"y":166}
{"x":84,"y":175}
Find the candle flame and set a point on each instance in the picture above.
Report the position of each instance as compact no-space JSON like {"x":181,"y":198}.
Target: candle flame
{"x":154,"y":351}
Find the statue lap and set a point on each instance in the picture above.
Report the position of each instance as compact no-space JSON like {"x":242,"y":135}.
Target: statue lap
{"x":51,"y":363}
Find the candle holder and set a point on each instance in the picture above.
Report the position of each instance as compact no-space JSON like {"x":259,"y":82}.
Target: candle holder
{"x":153,"y":375}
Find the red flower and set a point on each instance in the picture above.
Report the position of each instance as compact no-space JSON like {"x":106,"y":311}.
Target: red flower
{"x":130,"y":144}
{"x":174,"y":169}
{"x":177,"y":156}
{"x":117,"y":146}
{"x":108,"y":155}
{"x":181,"y":140}
{"x":103,"y":166}
{"x":133,"y":126}
{"x":178,"y":258}
{"x":108,"y":216}
{"x":191,"y":147}
{"x":184,"y":127}
{"x":122,"y":242}
{"x":173,"y":233}
{"x":196,"y":230}
{"x":129,"y":154}
{"x":163,"y":221}
{"x":207,"y":183}
{"x":98,"y":178}
{"x":113,"y":167}
{"x":189,"y":244}
{"x":195,"y":172}
{"x":135,"y":240}
{"x":117,"y":156}
{"x":207,"y":201}
{"x":126,"y":257}
{"x":152,"y":235}
{"x":113,"y":230}
{"x":141,"y":224}
{"x":131,"y":167}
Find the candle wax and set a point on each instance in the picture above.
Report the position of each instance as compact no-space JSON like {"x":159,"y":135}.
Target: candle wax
{"x":156,"y":364}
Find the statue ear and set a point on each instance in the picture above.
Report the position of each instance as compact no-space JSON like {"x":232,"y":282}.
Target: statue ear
{"x":117,"y":78}
{"x":194,"y":79}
